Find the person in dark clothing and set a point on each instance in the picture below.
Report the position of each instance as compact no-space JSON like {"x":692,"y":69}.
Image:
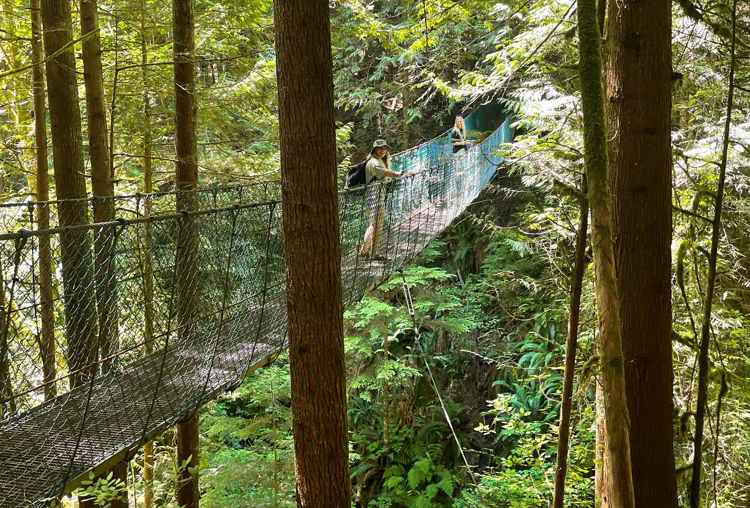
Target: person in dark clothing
{"x":458,"y":136}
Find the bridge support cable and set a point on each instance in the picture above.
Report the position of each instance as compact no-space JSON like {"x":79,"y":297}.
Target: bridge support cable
{"x":409,"y":304}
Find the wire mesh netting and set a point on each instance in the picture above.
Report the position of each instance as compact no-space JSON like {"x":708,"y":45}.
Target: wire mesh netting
{"x":112,"y":332}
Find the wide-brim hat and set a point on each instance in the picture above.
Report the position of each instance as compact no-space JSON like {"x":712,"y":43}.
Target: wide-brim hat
{"x":380,"y":143}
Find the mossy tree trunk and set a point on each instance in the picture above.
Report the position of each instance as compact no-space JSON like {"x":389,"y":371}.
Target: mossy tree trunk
{"x":611,"y":367}
{"x":576,"y":286}
{"x":148,"y":269}
{"x":601,"y":475}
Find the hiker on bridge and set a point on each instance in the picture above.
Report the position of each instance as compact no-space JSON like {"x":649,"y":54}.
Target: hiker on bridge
{"x":378,"y":164}
{"x":458,"y":136}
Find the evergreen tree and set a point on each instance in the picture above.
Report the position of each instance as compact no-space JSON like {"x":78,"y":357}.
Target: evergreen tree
{"x":639,"y":93}
{"x":611,"y":366}
{"x":46,"y":290}
{"x":101,"y":181}
{"x":67,"y":149}
{"x":313,"y":252}
{"x":186,"y":178}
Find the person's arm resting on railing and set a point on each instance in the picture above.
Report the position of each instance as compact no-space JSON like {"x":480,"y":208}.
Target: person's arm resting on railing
{"x":377,"y":170}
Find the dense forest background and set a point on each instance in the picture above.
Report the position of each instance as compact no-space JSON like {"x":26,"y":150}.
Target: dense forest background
{"x":492,"y":293}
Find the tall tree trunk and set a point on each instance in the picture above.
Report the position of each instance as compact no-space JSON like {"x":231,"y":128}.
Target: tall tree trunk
{"x":700,"y":411}
{"x":386,"y":393}
{"x":67,"y":149}
{"x":148,"y":474}
{"x":406,"y":103}
{"x":148,"y":270}
{"x":313,"y":252}
{"x":101,"y":182}
{"x":611,"y":365}
{"x":5,"y":390}
{"x":601,"y":476}
{"x":639,"y":71}
{"x":187,"y":243}
{"x":601,"y":480}
{"x":17,"y":88}
{"x":187,"y":456}
{"x":148,"y":188}
{"x":46,"y":288}
{"x":104,"y":206}
{"x":576,"y":285}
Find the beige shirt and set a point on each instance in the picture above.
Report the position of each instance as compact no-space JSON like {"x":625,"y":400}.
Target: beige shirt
{"x":375,"y":169}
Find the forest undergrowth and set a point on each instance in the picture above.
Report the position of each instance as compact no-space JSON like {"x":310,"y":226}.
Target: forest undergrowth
{"x":490,"y":315}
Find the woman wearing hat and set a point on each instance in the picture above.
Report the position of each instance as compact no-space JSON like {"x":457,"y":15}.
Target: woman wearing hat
{"x":378,"y":163}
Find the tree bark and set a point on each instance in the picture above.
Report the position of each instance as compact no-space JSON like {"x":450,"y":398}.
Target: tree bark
{"x":186,"y":178}
{"x":601,"y":480}
{"x":576,"y":285}
{"x":148,"y":270}
{"x":639,"y":89}
{"x":313,"y":252}
{"x":611,"y":365}
{"x":187,"y":457}
{"x":101,"y":182}
{"x":46,"y":287}
{"x":67,"y":149}
{"x":5,"y":388}
{"x":601,"y":16}
{"x":700,"y":411}
{"x":148,"y":283}
{"x":120,"y":472}
{"x":148,"y":474}
{"x":601,"y":477}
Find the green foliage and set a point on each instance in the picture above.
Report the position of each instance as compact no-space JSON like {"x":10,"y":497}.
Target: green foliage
{"x":249,"y":449}
{"x":425,"y":484}
{"x":523,"y":476}
{"x":403,"y":450}
{"x":410,"y":470}
{"x":102,"y":491}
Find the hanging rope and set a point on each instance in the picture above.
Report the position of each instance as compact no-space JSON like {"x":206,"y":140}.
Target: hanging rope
{"x":418,"y":341}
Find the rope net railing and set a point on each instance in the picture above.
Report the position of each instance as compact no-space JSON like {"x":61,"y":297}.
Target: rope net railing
{"x":112,"y":332}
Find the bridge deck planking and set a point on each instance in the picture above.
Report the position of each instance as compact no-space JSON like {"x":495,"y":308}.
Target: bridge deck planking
{"x":129,"y":390}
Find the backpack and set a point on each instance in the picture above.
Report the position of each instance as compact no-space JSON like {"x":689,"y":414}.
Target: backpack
{"x":357,"y":175}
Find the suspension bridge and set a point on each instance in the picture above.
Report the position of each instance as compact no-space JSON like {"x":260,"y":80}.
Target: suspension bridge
{"x":91,"y":371}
